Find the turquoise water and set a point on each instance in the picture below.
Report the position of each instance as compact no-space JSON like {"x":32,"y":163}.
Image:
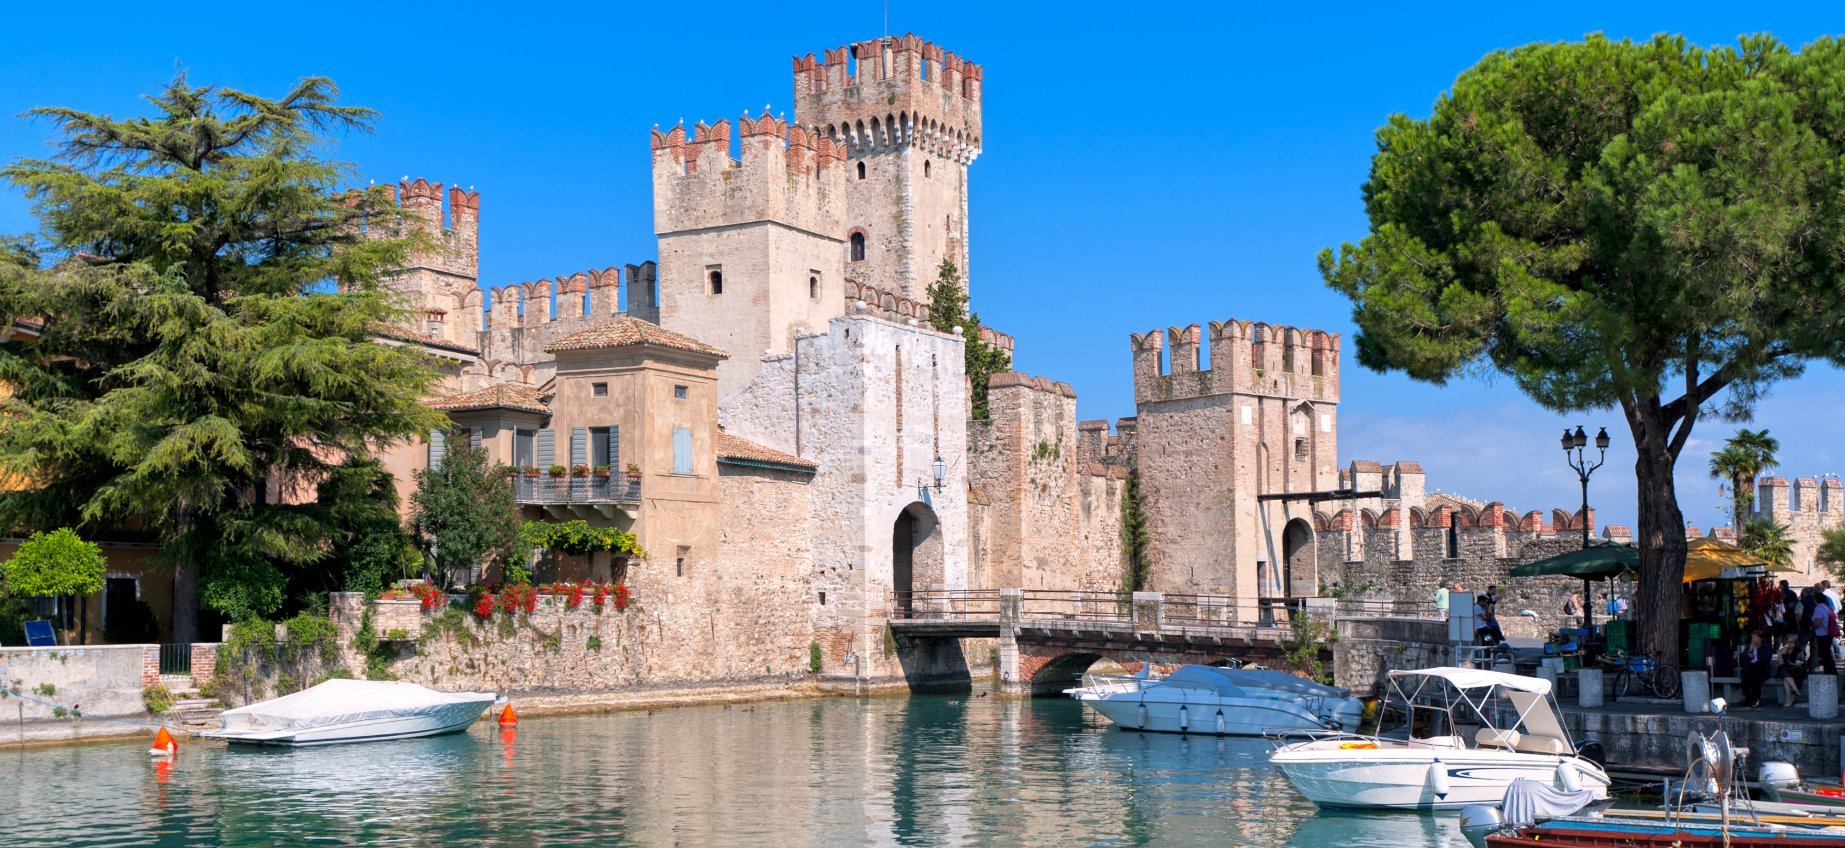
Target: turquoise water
{"x":951,"y":771}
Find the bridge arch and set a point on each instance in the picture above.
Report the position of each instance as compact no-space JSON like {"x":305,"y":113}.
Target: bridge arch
{"x":1047,"y":670}
{"x":917,"y":555}
{"x":1300,"y":569}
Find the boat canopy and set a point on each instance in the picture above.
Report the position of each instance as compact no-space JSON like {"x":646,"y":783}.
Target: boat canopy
{"x":1236,"y":682}
{"x":1477,"y":678}
{"x":341,"y":700}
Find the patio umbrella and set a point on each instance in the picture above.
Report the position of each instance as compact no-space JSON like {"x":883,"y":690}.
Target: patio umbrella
{"x":1707,"y":558}
{"x":1599,"y":561}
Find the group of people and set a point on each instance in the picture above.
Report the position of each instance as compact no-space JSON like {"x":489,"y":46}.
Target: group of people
{"x":1804,"y":625}
{"x":1485,"y":611}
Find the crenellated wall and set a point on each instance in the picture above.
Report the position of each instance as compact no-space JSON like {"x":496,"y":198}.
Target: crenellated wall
{"x":1808,"y":508}
{"x":440,"y":284}
{"x":892,"y":306}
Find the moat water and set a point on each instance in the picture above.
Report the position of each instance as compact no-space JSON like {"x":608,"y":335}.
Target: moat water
{"x":948,"y":771}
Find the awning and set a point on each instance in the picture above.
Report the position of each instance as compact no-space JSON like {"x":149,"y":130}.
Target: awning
{"x":1477,"y":678}
{"x":1595,"y":562}
{"x":1707,"y":558}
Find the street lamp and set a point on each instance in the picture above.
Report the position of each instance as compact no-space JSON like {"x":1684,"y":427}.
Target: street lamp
{"x":939,"y":470}
{"x":1574,"y":452}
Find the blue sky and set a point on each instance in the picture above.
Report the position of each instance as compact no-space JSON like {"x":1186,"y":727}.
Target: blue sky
{"x":1143,"y":166}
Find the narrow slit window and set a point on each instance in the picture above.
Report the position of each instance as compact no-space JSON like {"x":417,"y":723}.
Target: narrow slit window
{"x":861,"y":170}
{"x":858,"y":247}
{"x":717,"y":281}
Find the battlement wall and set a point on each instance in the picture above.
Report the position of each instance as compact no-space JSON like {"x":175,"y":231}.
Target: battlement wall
{"x":1245,"y":357}
{"x":595,"y":293}
{"x":787,"y":175}
{"x":439,"y":283}
{"x":892,"y":306}
{"x":1776,"y":500}
{"x":891,"y":91}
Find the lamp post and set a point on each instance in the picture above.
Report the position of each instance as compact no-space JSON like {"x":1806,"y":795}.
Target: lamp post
{"x":1575,"y":453}
{"x":937,"y":469}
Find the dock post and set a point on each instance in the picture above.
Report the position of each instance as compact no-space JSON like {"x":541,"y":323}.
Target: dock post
{"x":1823,"y":696}
{"x":1694,"y":686}
{"x":1011,"y":609}
{"x":1588,"y":687}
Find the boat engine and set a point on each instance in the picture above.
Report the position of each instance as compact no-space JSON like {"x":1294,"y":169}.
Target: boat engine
{"x":1479,"y":821}
{"x":1776,"y":775}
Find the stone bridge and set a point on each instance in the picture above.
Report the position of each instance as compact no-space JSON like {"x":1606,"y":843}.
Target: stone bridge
{"x":1047,"y":638}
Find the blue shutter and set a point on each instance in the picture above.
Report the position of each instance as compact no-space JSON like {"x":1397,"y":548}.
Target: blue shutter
{"x":682,"y":450}
{"x":546,"y":448}
{"x":474,"y":437}
{"x":438,"y":447}
{"x":615,"y":448}
{"x":579,"y":446}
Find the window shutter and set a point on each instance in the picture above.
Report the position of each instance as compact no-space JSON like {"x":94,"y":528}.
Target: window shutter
{"x":579,"y":446}
{"x":546,"y":448}
{"x":438,"y":447}
{"x":682,"y":450}
{"x":615,"y":448}
{"x":474,"y":437}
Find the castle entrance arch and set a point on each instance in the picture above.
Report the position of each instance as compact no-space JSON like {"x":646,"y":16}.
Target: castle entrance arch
{"x":1300,"y":567}
{"x":915,"y":556}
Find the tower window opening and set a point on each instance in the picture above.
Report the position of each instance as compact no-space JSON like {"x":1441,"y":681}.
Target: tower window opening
{"x":1300,"y":448}
{"x":925,"y":169}
{"x":858,"y":245}
{"x":717,"y":281}
{"x":813,"y":287}
{"x":1454,"y":540}
{"x":861,"y":170}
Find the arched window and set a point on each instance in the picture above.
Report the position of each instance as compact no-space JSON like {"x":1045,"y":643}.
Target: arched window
{"x":861,"y":170}
{"x":813,"y":287}
{"x":925,"y":169}
{"x":858,"y":246}
{"x":717,"y":281}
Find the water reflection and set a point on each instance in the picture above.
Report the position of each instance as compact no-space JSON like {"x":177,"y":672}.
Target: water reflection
{"x":938,"y":771}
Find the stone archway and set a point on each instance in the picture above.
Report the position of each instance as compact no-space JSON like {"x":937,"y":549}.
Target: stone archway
{"x":1300,"y":568}
{"x":916,"y":556}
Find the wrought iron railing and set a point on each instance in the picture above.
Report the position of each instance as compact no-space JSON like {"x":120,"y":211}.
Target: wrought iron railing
{"x":176,"y":658}
{"x":576,"y":490}
{"x":1368,"y":608}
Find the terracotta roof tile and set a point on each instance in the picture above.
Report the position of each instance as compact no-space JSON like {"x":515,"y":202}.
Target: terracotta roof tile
{"x":626,"y":331}
{"x":498,"y":396}
{"x":732,"y":447}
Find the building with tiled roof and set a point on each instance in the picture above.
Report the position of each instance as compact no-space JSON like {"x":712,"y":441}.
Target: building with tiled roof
{"x":516,"y":396}
{"x":626,"y":331}
{"x":740,"y":451}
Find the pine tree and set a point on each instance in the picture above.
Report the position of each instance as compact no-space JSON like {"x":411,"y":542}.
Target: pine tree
{"x":207,"y":302}
{"x":947,"y":311}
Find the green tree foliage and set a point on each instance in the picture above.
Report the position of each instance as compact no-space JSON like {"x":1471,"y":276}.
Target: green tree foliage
{"x":1831,"y":553}
{"x":463,"y":515}
{"x":948,"y":310}
{"x":1134,"y":535}
{"x":1767,"y":540}
{"x":578,"y":538}
{"x":207,"y":331}
{"x":57,"y":564}
{"x":1609,"y":223}
{"x":1744,"y":457}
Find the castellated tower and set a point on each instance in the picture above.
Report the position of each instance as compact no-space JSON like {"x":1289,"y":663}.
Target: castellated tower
{"x":752,"y":252}
{"x":441,"y":283}
{"x":1259,"y":419}
{"x":908,"y":115}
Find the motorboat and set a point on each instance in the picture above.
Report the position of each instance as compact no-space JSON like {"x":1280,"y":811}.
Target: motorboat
{"x":1219,"y":701}
{"x":340,"y":711}
{"x":1458,"y":736}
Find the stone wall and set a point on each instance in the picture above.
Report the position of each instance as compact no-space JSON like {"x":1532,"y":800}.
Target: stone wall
{"x":105,"y":680}
{"x":1808,"y":509}
{"x":1658,"y":739}
{"x":1486,"y":556}
{"x":1042,"y":517}
{"x":1368,"y":648}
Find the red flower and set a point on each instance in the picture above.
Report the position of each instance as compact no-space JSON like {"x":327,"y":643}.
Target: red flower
{"x":484,"y":607}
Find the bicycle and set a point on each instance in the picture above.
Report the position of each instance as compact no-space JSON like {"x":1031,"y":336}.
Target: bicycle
{"x":1655,"y":678}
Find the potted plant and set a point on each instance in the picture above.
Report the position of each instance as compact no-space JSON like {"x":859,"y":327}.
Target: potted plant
{"x":600,"y":471}
{"x":558,"y":471}
{"x":634,"y":472}
{"x":579,"y":471}
{"x":531,"y":471}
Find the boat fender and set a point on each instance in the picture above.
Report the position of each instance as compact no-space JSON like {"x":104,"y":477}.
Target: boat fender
{"x":1140,"y":714}
{"x":1568,"y":779}
{"x":1185,"y":719}
{"x":1438,"y":778}
{"x":1222,"y":725}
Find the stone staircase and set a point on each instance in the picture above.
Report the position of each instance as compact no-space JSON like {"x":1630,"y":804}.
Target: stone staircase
{"x":191,"y":712}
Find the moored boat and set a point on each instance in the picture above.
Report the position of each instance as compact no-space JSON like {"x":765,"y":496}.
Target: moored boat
{"x":339,"y":711}
{"x":1463,"y":736}
{"x":1624,"y":833}
{"x":1219,"y":701}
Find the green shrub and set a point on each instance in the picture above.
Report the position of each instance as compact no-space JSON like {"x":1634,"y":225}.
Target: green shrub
{"x":594,"y":643}
{"x":157,"y":699}
{"x":813,"y":657}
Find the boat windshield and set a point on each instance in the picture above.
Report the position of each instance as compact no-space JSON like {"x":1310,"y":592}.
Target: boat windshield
{"x":1432,"y":709}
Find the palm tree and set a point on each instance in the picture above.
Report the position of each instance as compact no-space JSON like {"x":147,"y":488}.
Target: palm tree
{"x":1743,"y":458}
{"x":1767,"y":540}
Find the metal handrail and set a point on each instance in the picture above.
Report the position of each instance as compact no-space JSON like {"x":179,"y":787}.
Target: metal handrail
{"x":575,"y":490}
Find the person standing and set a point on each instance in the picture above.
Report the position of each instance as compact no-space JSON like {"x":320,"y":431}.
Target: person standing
{"x":1757,"y":665}
{"x":1804,"y":623}
{"x":1572,"y":606}
{"x":1825,"y":632}
{"x":1441,"y":601}
{"x":1830,"y":594}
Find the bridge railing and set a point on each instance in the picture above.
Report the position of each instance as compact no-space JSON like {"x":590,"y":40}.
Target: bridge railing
{"x":946,"y":605}
{"x":1076,"y":605}
{"x":1367,"y":608}
{"x":1220,"y":611}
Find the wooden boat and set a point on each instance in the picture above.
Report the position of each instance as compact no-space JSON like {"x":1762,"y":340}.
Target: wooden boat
{"x":1634,"y":833}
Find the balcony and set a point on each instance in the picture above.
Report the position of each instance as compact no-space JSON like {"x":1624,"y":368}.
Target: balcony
{"x":578,"y":497}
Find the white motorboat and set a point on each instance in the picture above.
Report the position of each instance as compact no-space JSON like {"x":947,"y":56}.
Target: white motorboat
{"x":1219,"y":701}
{"x":351,"y":711}
{"x":1464,"y":735}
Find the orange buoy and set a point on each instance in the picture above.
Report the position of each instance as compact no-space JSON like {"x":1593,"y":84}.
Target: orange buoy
{"x":164,"y":746}
{"x":507,"y":716}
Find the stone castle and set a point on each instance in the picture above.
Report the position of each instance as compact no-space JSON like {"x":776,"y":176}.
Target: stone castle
{"x":768,"y":409}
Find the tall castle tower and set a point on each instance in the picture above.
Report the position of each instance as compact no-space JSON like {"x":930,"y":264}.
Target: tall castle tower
{"x":751,"y":250}
{"x":908,"y":115}
{"x":441,"y":283}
